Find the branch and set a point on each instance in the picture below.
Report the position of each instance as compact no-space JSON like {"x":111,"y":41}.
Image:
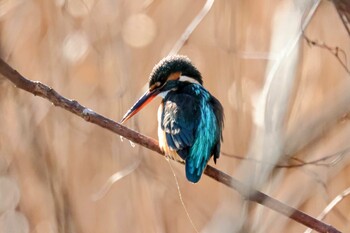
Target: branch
{"x":191,"y":27}
{"x":331,"y":205}
{"x":343,"y":9}
{"x":336,"y":51}
{"x":73,"y":106}
{"x":325,"y":161}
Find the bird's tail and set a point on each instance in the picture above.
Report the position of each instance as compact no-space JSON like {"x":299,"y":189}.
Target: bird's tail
{"x":194,"y":169}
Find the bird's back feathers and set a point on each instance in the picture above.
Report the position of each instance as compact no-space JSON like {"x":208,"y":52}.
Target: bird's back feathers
{"x":192,"y":121}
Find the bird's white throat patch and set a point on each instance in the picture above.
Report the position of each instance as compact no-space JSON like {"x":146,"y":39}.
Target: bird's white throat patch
{"x":163,"y":94}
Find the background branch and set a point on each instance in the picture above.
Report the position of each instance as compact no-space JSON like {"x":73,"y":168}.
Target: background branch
{"x":73,"y":106}
{"x":343,"y":9}
{"x":326,"y":161}
{"x":191,"y":27}
{"x":331,"y":205}
{"x":335,"y":51}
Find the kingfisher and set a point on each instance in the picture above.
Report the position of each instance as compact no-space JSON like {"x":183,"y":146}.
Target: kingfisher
{"x":190,"y":119}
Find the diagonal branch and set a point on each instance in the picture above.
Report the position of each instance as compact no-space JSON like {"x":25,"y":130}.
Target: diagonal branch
{"x":325,"y":161}
{"x":335,"y":51}
{"x":331,"y":205}
{"x":73,"y":106}
{"x":343,"y":9}
{"x":191,"y":27}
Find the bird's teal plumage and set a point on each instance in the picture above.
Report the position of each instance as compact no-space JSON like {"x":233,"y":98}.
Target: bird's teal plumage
{"x":190,"y":118}
{"x":192,"y":126}
{"x":207,"y":135}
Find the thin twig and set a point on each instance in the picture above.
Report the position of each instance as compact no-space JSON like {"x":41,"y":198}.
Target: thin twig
{"x":180,"y":196}
{"x":343,"y":9}
{"x":336,"y":51}
{"x":191,"y":27}
{"x":323,"y":161}
{"x":331,"y":205}
{"x":114,"y":178}
{"x":39,"y":89}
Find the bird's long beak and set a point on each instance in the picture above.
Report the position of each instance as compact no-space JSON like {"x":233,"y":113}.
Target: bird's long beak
{"x":142,"y":102}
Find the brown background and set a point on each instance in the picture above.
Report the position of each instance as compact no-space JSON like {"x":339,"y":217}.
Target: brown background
{"x":101,"y":53}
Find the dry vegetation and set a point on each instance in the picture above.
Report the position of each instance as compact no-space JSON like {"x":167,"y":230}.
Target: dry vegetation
{"x":286,"y":100}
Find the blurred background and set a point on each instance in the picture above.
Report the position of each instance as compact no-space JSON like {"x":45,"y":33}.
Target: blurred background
{"x":285,"y":94}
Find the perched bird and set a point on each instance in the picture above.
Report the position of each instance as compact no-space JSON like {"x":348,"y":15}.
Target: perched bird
{"x":190,"y":119}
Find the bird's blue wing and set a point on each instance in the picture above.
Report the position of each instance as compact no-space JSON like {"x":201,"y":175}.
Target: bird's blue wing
{"x":179,"y":121}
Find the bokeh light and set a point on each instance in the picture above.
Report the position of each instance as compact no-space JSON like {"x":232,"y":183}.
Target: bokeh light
{"x":75,"y":46}
{"x":139,"y":30}
{"x":79,"y":8}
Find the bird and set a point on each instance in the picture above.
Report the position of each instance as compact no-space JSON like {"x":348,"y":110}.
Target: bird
{"x":190,"y":119}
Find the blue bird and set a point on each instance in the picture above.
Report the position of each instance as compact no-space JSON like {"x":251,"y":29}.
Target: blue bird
{"x":190,"y":119}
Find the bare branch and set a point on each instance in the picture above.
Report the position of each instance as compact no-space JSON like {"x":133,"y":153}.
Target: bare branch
{"x":73,"y":106}
{"x":336,"y":51}
{"x":343,"y":9}
{"x":331,"y":205}
{"x":114,"y":178}
{"x":191,"y":27}
{"x":326,"y":161}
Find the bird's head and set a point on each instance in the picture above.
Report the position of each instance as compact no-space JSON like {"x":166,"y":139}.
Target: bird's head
{"x":167,"y":75}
